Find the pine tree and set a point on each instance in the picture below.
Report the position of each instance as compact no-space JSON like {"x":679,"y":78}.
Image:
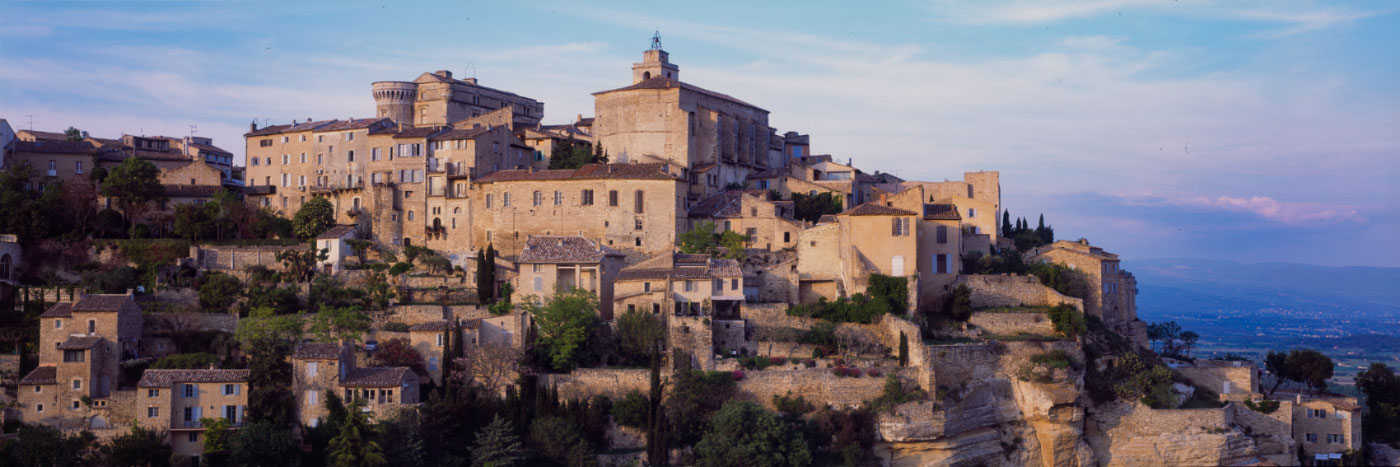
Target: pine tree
{"x":497,"y":445}
{"x":354,"y":446}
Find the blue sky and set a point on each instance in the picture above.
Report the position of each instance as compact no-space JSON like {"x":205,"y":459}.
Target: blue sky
{"x":1251,"y":131}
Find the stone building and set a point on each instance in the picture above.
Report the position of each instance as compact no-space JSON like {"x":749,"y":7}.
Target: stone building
{"x":175,"y":401}
{"x":438,"y":99}
{"x":550,"y":264}
{"x":633,"y":208}
{"x":430,"y":340}
{"x":1324,"y":424}
{"x":977,"y":195}
{"x":660,"y":119}
{"x":1112,"y":292}
{"x":766,"y":224}
{"x":81,"y":346}
{"x":11,"y":266}
{"x":692,"y":293}
{"x":321,"y":367}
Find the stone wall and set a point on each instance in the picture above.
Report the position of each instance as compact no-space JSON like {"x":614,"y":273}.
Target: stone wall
{"x":1003,"y":291}
{"x":1013,"y":323}
{"x":774,"y":315}
{"x":1273,"y":432}
{"x":1134,"y":434}
{"x":1231,"y":382}
{"x":731,"y":334}
{"x":819,"y":385}
{"x":415,"y":314}
{"x":957,"y":364}
{"x":236,"y":258}
{"x":588,"y":382}
{"x":919,"y":354}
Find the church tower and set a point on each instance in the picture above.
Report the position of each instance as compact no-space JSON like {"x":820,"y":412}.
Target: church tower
{"x":654,"y":64}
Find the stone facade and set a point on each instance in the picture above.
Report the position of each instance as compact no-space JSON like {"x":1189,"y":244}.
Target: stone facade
{"x":1014,"y":291}
{"x":175,"y":401}
{"x":1010,"y":324}
{"x":1113,"y":292}
{"x":1233,"y":380}
{"x":438,"y":99}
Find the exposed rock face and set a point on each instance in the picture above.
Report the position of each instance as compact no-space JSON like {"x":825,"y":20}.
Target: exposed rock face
{"x":1133,"y":434}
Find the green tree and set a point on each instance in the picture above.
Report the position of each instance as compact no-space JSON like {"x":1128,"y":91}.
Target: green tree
{"x":743,"y":434}
{"x":134,"y":184}
{"x":1007,"y":230}
{"x":553,"y":438}
{"x":565,"y":324}
{"x":1188,"y":340}
{"x":355,"y":445}
{"x":361,"y":248}
{"x":378,"y":291}
{"x":1310,"y":367}
{"x":45,"y":446}
{"x":314,"y":218}
{"x":811,"y":208}
{"x":263,"y":444}
{"x":302,"y":264}
{"x":497,"y":446}
{"x":139,"y":447}
{"x":632,"y":410}
{"x":186,"y":361}
{"x":700,"y":239}
{"x":1068,"y":321}
{"x":74,"y":134}
{"x":268,"y":338}
{"x":903,"y":349}
{"x":216,"y":431}
{"x":486,"y":274}
{"x":637,"y":332}
{"x":333,"y":323}
{"x":218,"y":291}
{"x":263,"y":326}
{"x":657,"y":447}
{"x":1382,"y":389}
{"x":958,"y":305}
{"x":573,"y":154}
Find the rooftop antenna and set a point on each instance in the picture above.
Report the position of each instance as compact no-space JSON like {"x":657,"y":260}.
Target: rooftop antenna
{"x":31,"y":120}
{"x":193,"y":129}
{"x":470,"y":69}
{"x":656,"y":41}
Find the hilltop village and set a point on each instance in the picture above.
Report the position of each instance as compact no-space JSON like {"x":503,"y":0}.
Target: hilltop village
{"x":670,"y":281}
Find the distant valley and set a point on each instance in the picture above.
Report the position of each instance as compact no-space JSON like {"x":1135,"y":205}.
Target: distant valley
{"x":1350,"y":313}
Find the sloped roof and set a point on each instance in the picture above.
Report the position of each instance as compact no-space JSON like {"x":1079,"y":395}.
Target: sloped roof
{"x":725,"y":204}
{"x":101,"y":302}
{"x":41,"y":375}
{"x":941,"y":212}
{"x":58,"y":310}
{"x":272,"y":130}
{"x":439,"y":325}
{"x":352,"y":124}
{"x":662,"y":82}
{"x":208,"y":147}
{"x":419,"y":132}
{"x":461,"y":133}
{"x":875,"y":209}
{"x":336,"y":232}
{"x":376,"y":377}
{"x":55,"y":147}
{"x":166,"y":378}
{"x":563,"y":249}
{"x":317,"y":351}
{"x":712,"y":268}
{"x":45,"y":135}
{"x":191,"y":191}
{"x":587,"y":172}
{"x":79,"y":343}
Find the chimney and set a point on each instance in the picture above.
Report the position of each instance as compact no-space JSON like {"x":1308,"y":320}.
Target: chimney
{"x":884,"y":199}
{"x":253,"y":126}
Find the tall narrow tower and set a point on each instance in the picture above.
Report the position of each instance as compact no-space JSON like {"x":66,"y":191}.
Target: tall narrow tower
{"x":655,"y":63}
{"x":394,"y":100}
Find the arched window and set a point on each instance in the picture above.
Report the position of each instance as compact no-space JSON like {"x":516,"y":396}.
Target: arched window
{"x":646,"y":75}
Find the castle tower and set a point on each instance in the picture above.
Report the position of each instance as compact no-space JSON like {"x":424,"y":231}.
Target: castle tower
{"x":655,"y":63}
{"x":394,"y":100}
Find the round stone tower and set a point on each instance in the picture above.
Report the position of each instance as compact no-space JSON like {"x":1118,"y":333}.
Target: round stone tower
{"x":394,"y":100}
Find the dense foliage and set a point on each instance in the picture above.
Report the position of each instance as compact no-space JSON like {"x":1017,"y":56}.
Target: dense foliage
{"x":572,"y":154}
{"x":1306,"y":366}
{"x":702,"y":239}
{"x":1382,"y":389}
{"x":743,"y":434}
{"x":565,"y":323}
{"x":811,"y":208}
{"x":314,"y":218}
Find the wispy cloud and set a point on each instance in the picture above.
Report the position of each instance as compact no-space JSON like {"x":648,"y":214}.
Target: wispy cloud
{"x":1279,"y":211}
{"x":1292,"y":17}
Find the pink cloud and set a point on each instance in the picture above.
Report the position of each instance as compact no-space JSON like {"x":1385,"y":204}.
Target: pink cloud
{"x":1281,"y":211}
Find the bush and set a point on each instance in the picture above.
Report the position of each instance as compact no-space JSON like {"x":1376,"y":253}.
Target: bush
{"x":185,"y":361}
{"x":400,"y":268}
{"x":738,"y":375}
{"x":893,"y":290}
{"x":1068,"y":321}
{"x":1055,"y":359}
{"x":219,"y":291}
{"x":792,"y":407}
{"x":1265,"y":406}
{"x":633,"y":410}
{"x":394,"y":327}
{"x":895,"y":394}
{"x":809,"y":363}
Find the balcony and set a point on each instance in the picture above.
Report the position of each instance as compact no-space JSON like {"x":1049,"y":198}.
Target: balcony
{"x":198,"y":425}
{"x":460,"y":170}
{"x":359,"y":184}
{"x":353,"y":212}
{"x":260,"y":190}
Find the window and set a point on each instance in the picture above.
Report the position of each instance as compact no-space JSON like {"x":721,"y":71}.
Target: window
{"x":638,"y":222}
{"x":558,"y":198}
{"x":941,"y":261}
{"x":1334,"y":438}
{"x":440,"y":338}
{"x":77,"y":384}
{"x":942,"y":234}
{"x":311,"y":369}
{"x":78,"y":167}
{"x":488,"y":201}
{"x":53,"y":165}
{"x":612,"y":197}
{"x":689,"y":286}
{"x":38,"y":407}
{"x":655,"y":308}
{"x":971,"y":212}
{"x":717,"y":286}
{"x":1311,"y":437}
{"x":301,"y":180}
{"x":153,"y":393}
{"x":787,"y":237}
{"x":537,"y":199}
{"x":58,"y":324}
{"x":190,"y":391}
{"x":286,"y":159}
{"x":349,"y":136}
{"x":734,"y":284}
{"x":38,"y":389}
{"x":374,"y":154}
{"x":899,"y":227}
{"x":230,"y":389}
{"x":638,"y":202}
{"x":264,"y":143}
{"x":646,"y":286}
{"x":255,"y":161}
{"x":505,"y":199}
{"x":586,"y":198}
{"x":92,"y":326}
{"x":350,"y":155}
{"x":194,"y":436}
{"x":73,"y":356}
{"x":410,"y":215}
{"x":897,"y":266}
{"x":637,"y":241}
{"x":152,"y":412}
{"x":76,"y":404}
{"x":432,"y":364}
{"x":303,"y":158}
{"x":231,"y":413}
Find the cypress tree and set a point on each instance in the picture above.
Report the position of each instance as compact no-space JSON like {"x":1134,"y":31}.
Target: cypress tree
{"x":481,"y":290}
{"x":903,"y":349}
{"x":657,"y":450}
{"x":489,"y":276}
{"x":1006,"y":230}
{"x":450,"y":351}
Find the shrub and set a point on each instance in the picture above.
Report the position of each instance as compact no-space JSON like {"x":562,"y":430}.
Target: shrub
{"x":1068,"y":321}
{"x":792,"y":407}
{"x":219,"y":291}
{"x":873,"y":372}
{"x":810,"y":363}
{"x":400,"y":268}
{"x":394,"y":327}
{"x":1265,"y":406}
{"x":185,"y":361}
{"x":895,"y":394}
{"x":632,"y":410}
{"x":738,"y":375}
{"x":1055,"y":359}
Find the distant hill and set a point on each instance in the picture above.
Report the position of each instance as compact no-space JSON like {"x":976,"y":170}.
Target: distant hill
{"x":1202,"y":285}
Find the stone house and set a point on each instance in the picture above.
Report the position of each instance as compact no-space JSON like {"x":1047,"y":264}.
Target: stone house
{"x":766,"y":224}
{"x":550,"y":264}
{"x":1233,"y":380}
{"x":335,"y":242}
{"x":174,"y":401}
{"x":984,"y":187}
{"x":692,"y":294}
{"x":877,"y":239}
{"x":1112,"y":292}
{"x":321,"y":367}
{"x":430,"y":340}
{"x":438,"y":99}
{"x":634,"y":208}
{"x":1324,"y":424}
{"x":819,"y":270}
{"x":81,"y":346}
{"x":660,"y":119}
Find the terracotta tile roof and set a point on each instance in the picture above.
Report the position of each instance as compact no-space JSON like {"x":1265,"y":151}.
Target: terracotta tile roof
{"x":587,"y":172}
{"x":662,"y":82}
{"x":272,"y":130}
{"x":44,"y":135}
{"x":209,"y":148}
{"x":875,"y":209}
{"x":336,"y":232}
{"x":703,"y":167}
{"x":41,"y":375}
{"x":79,"y":342}
{"x":309,"y":125}
{"x":191,"y":191}
{"x":562,"y":249}
{"x":684,"y":267}
{"x":101,"y":302}
{"x":376,"y":377}
{"x":166,"y":378}
{"x":419,"y":132}
{"x":773,"y":172}
{"x":439,"y":325}
{"x":826,"y":219}
{"x":55,"y":147}
{"x":59,"y":310}
{"x":353,"y":124}
{"x":461,"y":133}
{"x":317,"y":351}
{"x":941,"y":212}
{"x":725,"y":204}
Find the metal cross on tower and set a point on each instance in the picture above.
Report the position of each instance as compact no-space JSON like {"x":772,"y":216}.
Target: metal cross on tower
{"x":656,"y":41}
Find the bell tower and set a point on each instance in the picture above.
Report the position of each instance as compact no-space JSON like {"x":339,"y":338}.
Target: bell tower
{"x":655,"y":63}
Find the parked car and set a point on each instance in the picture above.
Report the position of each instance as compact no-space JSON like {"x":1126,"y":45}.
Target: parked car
{"x":371,"y":345}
